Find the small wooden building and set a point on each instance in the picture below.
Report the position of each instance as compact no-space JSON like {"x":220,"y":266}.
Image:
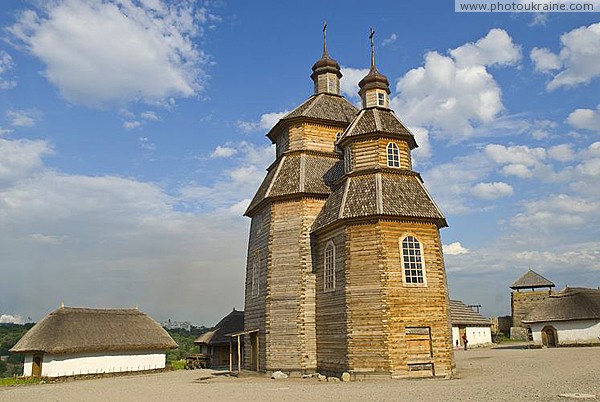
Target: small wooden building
{"x":216,"y":343}
{"x":570,"y":317}
{"x":77,"y":341}
{"x":528,"y":291}
{"x":466,"y":321}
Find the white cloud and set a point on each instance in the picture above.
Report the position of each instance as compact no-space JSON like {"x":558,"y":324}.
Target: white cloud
{"x":223,"y":152}
{"x":149,"y":115}
{"x":496,"y":48}
{"x":6,"y":65}
{"x":492,"y":191}
{"x":423,"y":152}
{"x":522,"y":161}
{"x":21,"y":118}
{"x":136,"y":51}
{"x":389,"y":40}
{"x":539,"y":19}
{"x":108,"y":239}
{"x":557,"y":211}
{"x":579,"y":58}
{"x":4,"y":131}
{"x":585,"y":118}
{"x":454,"y":249}
{"x":11,"y":319}
{"x":47,"y":239}
{"x":350,"y":79}
{"x":266,"y":122}
{"x":452,"y":94}
{"x":544,"y":60}
{"x":130,"y":125}
{"x":562,"y":152}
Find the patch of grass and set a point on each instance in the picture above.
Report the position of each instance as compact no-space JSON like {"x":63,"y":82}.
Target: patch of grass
{"x":178,"y":364}
{"x":10,"y":381}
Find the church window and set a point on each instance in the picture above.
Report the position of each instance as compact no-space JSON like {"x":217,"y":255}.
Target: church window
{"x":412,"y":261}
{"x":329,"y":267}
{"x":255,"y":274}
{"x":380,"y":99}
{"x":348,"y":160}
{"x":393,"y":155}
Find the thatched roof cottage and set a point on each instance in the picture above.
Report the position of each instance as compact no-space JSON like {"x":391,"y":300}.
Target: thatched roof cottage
{"x":466,"y":321}
{"x":76,"y":341}
{"x":570,"y":317}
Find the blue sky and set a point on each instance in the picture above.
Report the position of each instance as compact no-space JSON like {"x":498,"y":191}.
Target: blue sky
{"x":132,"y":138}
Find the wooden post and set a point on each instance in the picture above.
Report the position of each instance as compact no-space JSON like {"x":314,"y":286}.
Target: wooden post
{"x":239,"y":354}
{"x":230,"y":354}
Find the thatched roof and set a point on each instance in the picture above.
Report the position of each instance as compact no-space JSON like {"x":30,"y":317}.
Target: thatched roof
{"x":233,"y":322}
{"x":461,"y":314}
{"x":569,"y":304}
{"x":74,"y":330}
{"x":531,"y":280}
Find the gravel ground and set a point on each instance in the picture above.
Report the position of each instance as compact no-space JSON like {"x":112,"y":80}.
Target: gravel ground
{"x":501,"y":374}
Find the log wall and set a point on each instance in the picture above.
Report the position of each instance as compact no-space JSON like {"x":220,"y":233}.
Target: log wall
{"x":315,"y":137}
{"x":372,"y":153}
{"x":332,"y":345}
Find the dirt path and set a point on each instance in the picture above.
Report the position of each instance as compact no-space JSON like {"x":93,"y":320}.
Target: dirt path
{"x":482,"y":375}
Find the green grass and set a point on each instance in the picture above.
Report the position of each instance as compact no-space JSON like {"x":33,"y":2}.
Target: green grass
{"x":10,"y":381}
{"x":178,"y":364}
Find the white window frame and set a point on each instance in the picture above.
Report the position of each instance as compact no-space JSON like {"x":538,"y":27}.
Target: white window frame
{"x":255,"y":278}
{"x":393,"y":155}
{"x":380,"y":99}
{"x":412,"y":261}
{"x":329,"y":267}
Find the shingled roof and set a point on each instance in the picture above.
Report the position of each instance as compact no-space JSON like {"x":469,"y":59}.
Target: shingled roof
{"x":74,"y":330}
{"x":399,"y":195}
{"x":298,"y":173}
{"x":461,"y":314}
{"x":322,"y":106}
{"x":569,"y":304}
{"x":231,"y":323}
{"x":378,"y":121}
{"x":531,"y":280}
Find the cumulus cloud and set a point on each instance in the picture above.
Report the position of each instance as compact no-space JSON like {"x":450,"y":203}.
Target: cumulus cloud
{"x":451,"y":94}
{"x":423,"y":152}
{"x":6,"y":65}
{"x":578,"y":59}
{"x":562,"y":152}
{"x":519,"y":160}
{"x":222,"y":151}
{"x":136,"y":51}
{"x":544,"y":60}
{"x":588,"y":119}
{"x":266,"y":122}
{"x":149,"y":115}
{"x":455,"y":249}
{"x":492,"y":191}
{"x":10,"y":319}
{"x":350,"y":79}
{"x":130,"y":125}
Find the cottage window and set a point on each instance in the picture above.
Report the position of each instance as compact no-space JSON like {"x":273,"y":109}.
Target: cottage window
{"x":255,"y":274}
{"x":348,"y":159}
{"x":380,"y":99}
{"x":412,"y":261}
{"x":329,"y":267}
{"x":393,"y":155}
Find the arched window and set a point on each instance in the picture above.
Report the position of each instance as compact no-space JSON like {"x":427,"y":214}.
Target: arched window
{"x":256,"y":274}
{"x":348,"y":159}
{"x":329,"y":267}
{"x":412,"y":261}
{"x":393,"y":155}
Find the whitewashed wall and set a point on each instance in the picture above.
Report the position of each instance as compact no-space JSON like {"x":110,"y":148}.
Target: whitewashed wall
{"x":570,"y":332}
{"x":96,"y":363}
{"x":476,"y":336}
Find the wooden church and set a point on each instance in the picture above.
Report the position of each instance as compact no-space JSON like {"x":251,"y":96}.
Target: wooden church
{"x":345,"y":271}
